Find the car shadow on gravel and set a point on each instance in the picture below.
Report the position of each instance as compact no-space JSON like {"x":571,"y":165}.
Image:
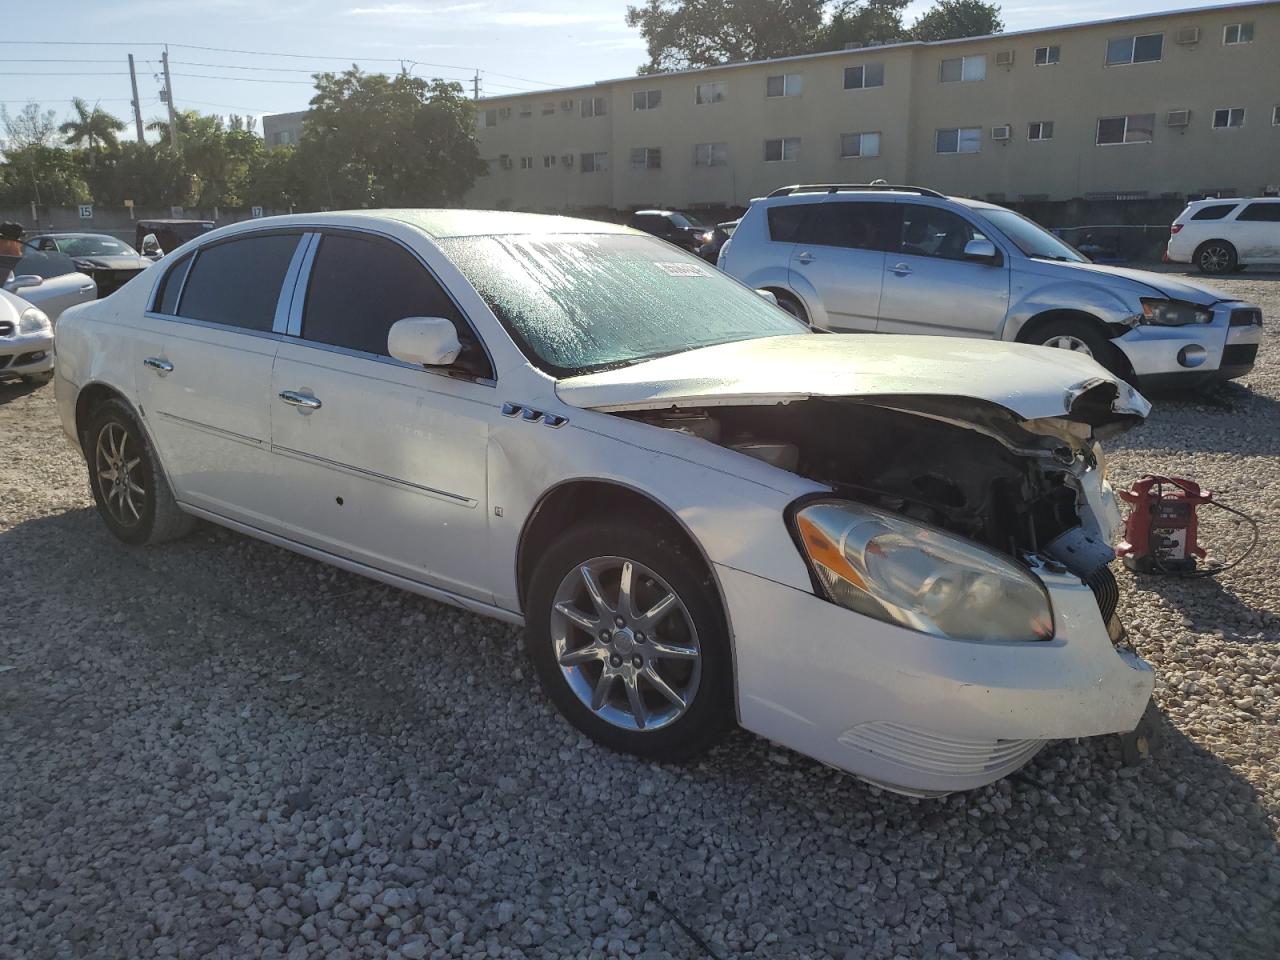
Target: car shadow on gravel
{"x":1209,"y":606}
{"x":11,"y":390}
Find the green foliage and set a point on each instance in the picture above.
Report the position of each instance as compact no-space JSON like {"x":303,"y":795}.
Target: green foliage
{"x":377,"y":141}
{"x":47,"y":175}
{"x":863,"y":22}
{"x":958,"y":18}
{"x":95,"y":129}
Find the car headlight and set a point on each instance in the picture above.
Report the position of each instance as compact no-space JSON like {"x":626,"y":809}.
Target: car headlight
{"x":919,"y":577}
{"x":1174,"y":313}
{"x":34,"y":320}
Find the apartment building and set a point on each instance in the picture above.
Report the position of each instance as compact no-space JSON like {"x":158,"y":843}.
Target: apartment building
{"x":1161,"y":105}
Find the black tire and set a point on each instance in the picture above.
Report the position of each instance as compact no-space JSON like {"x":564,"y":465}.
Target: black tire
{"x":793,"y":306}
{"x":37,"y":379}
{"x":1216,"y":257}
{"x":1086,"y":332}
{"x":710,"y":714}
{"x":150,"y":514}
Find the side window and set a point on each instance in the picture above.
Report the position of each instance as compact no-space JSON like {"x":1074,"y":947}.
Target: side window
{"x":856,"y":225}
{"x":360,"y":286}
{"x":238,"y":282}
{"x":785,"y":221}
{"x":171,"y":286}
{"x":933,"y":232}
{"x":1264,"y":212}
{"x":1215,"y":212}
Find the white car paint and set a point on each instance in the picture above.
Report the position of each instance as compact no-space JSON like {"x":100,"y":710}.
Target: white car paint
{"x":1251,"y":226}
{"x":24,"y":351}
{"x":442,"y":474}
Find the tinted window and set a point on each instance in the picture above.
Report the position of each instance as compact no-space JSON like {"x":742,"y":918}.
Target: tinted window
{"x":238,"y":282}
{"x":1216,"y":212}
{"x":46,"y":264}
{"x":784,"y":222}
{"x":1268,"y":212}
{"x":932,"y":232}
{"x":171,"y":286}
{"x":857,"y":225}
{"x":360,"y":286}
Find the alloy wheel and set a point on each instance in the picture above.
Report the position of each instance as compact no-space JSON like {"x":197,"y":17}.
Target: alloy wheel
{"x":1067,"y":342}
{"x":1214,"y":259}
{"x":625,"y":643}
{"x":119,"y":475}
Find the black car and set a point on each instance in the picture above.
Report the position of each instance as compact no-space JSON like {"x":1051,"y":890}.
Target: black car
{"x":674,"y":226}
{"x":112,"y":263}
{"x":714,"y":239}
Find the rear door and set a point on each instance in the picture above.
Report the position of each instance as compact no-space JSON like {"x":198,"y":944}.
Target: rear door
{"x":929,"y":286}
{"x":384,"y":462}
{"x":839,"y":255}
{"x":204,"y":371}
{"x":1257,"y":232}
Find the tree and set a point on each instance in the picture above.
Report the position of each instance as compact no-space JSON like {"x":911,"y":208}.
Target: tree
{"x":43,"y":175}
{"x":948,"y":19}
{"x":29,"y":128}
{"x":374,"y":140}
{"x":701,"y":33}
{"x":863,"y":22}
{"x":93,"y":129}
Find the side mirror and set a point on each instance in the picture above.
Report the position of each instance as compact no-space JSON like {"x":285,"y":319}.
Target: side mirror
{"x":24,"y":282}
{"x":429,"y":341}
{"x":981,"y":251}
{"x":151,"y":247}
{"x":768,"y":295}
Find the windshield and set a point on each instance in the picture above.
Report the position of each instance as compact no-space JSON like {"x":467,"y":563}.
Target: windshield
{"x":94,"y":245}
{"x":685,"y":220}
{"x":1031,"y":238}
{"x":580,"y":302}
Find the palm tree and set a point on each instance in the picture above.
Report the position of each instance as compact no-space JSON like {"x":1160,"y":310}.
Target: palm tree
{"x":93,"y":128}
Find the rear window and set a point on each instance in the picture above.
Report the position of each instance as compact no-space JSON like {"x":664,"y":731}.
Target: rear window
{"x":1215,"y":212}
{"x":238,"y":282}
{"x":785,"y":221}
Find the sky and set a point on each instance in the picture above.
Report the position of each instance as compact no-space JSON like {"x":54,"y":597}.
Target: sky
{"x":267,"y":49}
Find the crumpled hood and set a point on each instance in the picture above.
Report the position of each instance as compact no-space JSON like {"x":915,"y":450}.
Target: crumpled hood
{"x":1160,"y":284}
{"x":1033,"y":382}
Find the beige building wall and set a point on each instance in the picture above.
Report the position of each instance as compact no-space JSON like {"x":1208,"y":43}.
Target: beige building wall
{"x":907,"y":111}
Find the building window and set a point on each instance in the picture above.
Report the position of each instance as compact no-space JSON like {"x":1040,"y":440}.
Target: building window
{"x":1047,"y":56}
{"x":548,"y":161}
{"x":785,"y":85}
{"x":594,"y":162}
{"x":964,"y":69}
{"x":785,"y":148}
{"x":959,"y":140}
{"x":526,"y":110}
{"x":1234,"y":33}
{"x":487,"y":118}
{"x":646,"y":99}
{"x":711,"y":155}
{"x":526,"y":163}
{"x":1228,"y":117}
{"x":863,"y":76}
{"x":1144,"y":48}
{"x":711,"y":92}
{"x":549,"y":108}
{"x":646,"y":158}
{"x":1040,"y":130}
{"x":859,"y":145}
{"x":594,"y":107}
{"x":1135,"y":128}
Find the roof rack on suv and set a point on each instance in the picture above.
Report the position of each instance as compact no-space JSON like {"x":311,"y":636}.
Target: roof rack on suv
{"x":853,"y":188}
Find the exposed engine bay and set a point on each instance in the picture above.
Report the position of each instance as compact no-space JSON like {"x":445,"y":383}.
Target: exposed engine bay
{"x":966,"y":466}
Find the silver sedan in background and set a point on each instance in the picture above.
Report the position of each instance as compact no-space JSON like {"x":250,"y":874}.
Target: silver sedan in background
{"x":49,"y":280}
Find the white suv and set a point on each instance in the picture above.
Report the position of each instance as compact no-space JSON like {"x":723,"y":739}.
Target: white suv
{"x":869,"y":258}
{"x":1220,"y":236}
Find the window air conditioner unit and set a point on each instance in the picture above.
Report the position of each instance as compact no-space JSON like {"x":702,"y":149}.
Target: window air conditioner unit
{"x":1178,"y":118}
{"x":1001,"y":132}
{"x":567,"y":159}
{"x":1187,"y":35}
{"x":566,"y":106}
{"x":1004,"y":58}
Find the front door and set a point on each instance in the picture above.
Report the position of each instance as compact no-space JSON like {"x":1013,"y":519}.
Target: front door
{"x":204,"y":372}
{"x":839,"y":254}
{"x":383,"y":462}
{"x":929,"y":286}
{"x":1257,"y":232}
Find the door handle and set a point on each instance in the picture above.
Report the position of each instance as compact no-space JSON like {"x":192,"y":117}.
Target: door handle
{"x":901,"y":269}
{"x":805,"y":257}
{"x":159,"y":365}
{"x":295,"y":399}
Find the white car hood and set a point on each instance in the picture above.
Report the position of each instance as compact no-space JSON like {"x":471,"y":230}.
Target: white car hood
{"x":1033,"y":382}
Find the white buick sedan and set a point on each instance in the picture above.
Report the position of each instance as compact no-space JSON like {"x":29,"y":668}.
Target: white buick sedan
{"x":889,"y":553}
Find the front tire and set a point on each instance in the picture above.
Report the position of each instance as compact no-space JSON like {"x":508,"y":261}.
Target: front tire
{"x":128,"y":483}
{"x":1081,"y":336}
{"x":793,"y":306}
{"x":626,"y":633}
{"x":1216,"y":257}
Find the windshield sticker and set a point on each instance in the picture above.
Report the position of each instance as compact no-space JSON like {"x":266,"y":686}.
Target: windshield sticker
{"x":674,"y":268}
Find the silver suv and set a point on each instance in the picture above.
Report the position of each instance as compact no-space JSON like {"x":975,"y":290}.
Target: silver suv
{"x":890,"y":259}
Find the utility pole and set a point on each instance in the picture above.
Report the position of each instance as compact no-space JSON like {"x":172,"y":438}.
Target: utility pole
{"x":168,"y":99}
{"x":137,"y":104}
{"x":475,"y":87}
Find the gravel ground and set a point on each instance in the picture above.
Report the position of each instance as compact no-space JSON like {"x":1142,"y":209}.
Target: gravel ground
{"x":218,"y":748}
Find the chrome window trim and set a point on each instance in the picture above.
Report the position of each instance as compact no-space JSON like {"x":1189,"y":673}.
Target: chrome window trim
{"x":298,"y":292}
{"x":288,"y":286}
{"x":304,"y":283}
{"x":211,"y":325}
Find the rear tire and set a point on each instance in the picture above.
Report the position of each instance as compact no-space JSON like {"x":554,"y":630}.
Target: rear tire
{"x":793,"y":306}
{"x":1216,"y":257}
{"x":1081,"y":336}
{"x":597,"y":670}
{"x":128,"y":483}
